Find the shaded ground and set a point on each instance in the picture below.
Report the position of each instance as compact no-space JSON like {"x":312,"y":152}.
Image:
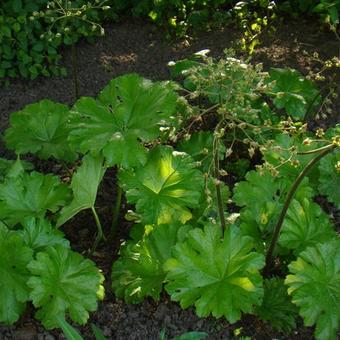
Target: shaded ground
{"x":138,"y":47}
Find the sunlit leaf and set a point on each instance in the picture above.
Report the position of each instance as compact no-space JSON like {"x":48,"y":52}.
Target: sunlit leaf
{"x":165,"y":188}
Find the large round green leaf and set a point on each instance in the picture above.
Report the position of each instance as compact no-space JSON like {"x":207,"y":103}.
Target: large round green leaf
{"x":217,"y":273}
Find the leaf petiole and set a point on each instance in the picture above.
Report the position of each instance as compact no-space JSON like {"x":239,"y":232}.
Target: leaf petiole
{"x":100,"y":234}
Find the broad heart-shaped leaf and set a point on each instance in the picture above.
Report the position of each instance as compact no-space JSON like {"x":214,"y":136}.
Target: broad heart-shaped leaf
{"x":63,"y":282}
{"x":14,"y":257}
{"x":165,"y":187}
{"x":305,"y":225}
{"x":329,"y":180}
{"x":84,"y":185}
{"x":218,"y":274}
{"x":139,"y":270}
{"x":293,"y":92}
{"x":262,"y":197}
{"x":314,"y":286}
{"x":39,"y":234}
{"x":277,"y":307}
{"x":129,"y":110}
{"x":41,"y":128}
{"x":31,"y":195}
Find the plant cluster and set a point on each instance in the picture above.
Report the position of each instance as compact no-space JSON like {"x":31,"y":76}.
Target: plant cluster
{"x":177,"y":16}
{"x":32,"y":32}
{"x":327,"y":9}
{"x":172,"y":146}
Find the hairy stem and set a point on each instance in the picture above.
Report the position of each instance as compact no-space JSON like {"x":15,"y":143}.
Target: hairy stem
{"x":290,"y":195}
{"x":116,"y":211}
{"x":75,"y":70}
{"x":100,"y":234}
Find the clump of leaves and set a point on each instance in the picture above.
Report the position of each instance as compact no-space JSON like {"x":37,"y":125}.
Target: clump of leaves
{"x":261,"y":197}
{"x":139,"y":272}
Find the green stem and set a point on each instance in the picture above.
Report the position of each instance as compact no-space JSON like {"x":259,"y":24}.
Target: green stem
{"x":100,"y":234}
{"x":217,"y":168}
{"x":295,"y":185}
{"x":116,"y":212}
{"x":310,"y":106}
{"x":314,"y":151}
{"x":218,"y":189}
{"x":75,"y":70}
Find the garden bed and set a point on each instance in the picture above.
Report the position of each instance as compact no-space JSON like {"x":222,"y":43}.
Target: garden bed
{"x":138,"y":47}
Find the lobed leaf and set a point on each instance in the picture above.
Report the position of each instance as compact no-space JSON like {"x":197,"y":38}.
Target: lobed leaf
{"x":62,"y":283}
{"x":138,"y":272}
{"x":41,"y":128}
{"x":218,"y":274}
{"x":38,"y":234}
{"x":305,"y":225}
{"x":314,"y":287}
{"x":165,"y":188}
{"x":14,"y":257}
{"x":12,"y":168}
{"x":293,"y":92}
{"x":261,"y":197}
{"x":330,"y":177}
{"x":31,"y":195}
{"x":129,"y":110}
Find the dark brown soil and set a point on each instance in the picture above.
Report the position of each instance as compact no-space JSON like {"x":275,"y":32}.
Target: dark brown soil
{"x":139,"y":47}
